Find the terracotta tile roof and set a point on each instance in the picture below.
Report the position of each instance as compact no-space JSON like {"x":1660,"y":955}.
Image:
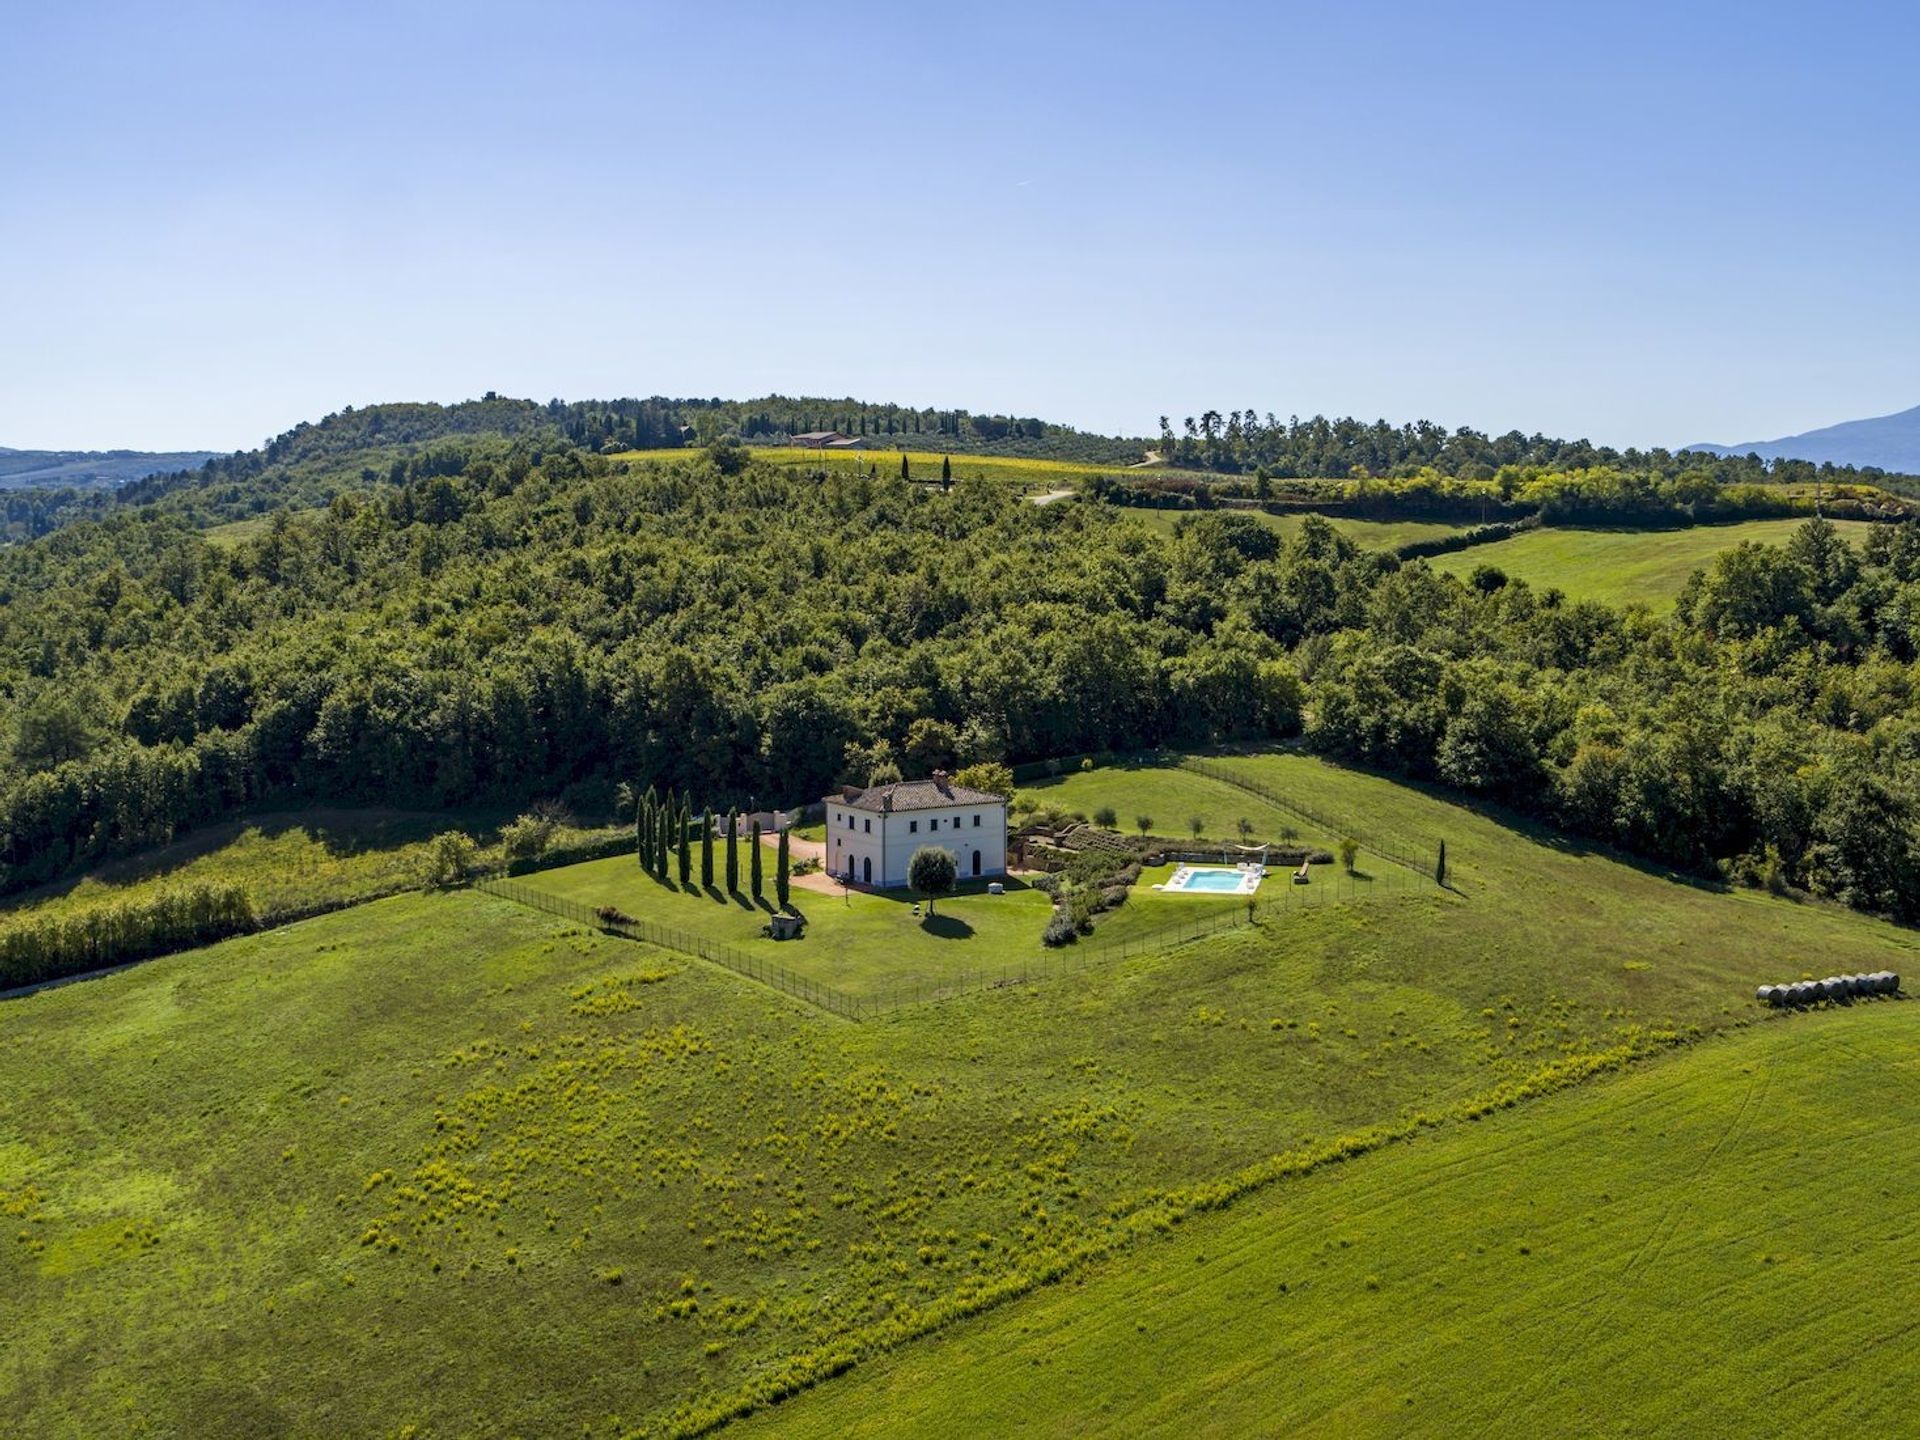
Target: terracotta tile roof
{"x":915,"y":795}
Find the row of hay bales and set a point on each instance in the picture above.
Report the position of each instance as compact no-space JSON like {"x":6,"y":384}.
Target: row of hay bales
{"x":1834,"y":987}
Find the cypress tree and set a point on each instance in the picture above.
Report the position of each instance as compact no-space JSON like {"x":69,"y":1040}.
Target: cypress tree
{"x":733,"y":852}
{"x":1440,"y":866}
{"x":946,"y":471}
{"x":686,"y":845}
{"x":753,"y":865}
{"x":780,"y":872}
{"x":905,"y":473}
{"x":706,"y":848}
{"x":640,"y":831}
{"x":668,"y":814}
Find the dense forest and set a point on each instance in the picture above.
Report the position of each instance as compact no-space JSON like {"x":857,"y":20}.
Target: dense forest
{"x":312,"y":462}
{"x":1243,"y":442}
{"x":505,"y":615}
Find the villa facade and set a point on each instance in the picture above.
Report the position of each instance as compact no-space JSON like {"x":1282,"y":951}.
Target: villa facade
{"x":872,"y":833}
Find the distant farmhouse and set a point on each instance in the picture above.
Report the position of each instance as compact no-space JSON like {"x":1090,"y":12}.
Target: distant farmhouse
{"x":828,"y":440}
{"x":872,"y":833}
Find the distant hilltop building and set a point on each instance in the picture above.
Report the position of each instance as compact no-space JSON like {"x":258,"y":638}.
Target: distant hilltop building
{"x":872,"y":833}
{"x":828,"y":440}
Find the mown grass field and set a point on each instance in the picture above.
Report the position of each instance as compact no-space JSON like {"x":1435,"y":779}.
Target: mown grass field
{"x":1619,"y":567}
{"x":440,"y":1161}
{"x":1369,"y":534}
{"x":1171,"y":798}
{"x":1716,"y":1244}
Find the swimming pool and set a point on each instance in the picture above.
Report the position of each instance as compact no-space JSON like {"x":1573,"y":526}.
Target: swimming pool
{"x":1214,"y":880}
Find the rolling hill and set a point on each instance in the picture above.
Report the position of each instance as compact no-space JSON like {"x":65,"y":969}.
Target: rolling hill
{"x":1883,"y":442}
{"x":90,"y":469}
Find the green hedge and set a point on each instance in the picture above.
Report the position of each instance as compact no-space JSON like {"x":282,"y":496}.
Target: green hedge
{"x":50,"y":947}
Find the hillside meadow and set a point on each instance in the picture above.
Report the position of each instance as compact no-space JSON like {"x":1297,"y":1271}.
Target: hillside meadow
{"x":375,"y":1169}
{"x":1622,"y":567}
{"x":1717,"y":1243}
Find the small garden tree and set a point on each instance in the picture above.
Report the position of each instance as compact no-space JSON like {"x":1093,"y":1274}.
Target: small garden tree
{"x":1196,"y":823}
{"x":931,"y":872}
{"x":449,"y":858}
{"x":782,"y":871}
{"x":1145,"y":822}
{"x":527,"y":837}
{"x":753,"y":861}
{"x":1106,"y":817}
{"x":1245,"y":827}
{"x":1349,"y":851}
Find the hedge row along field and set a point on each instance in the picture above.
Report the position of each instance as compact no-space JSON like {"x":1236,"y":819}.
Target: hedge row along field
{"x":36,"y":948}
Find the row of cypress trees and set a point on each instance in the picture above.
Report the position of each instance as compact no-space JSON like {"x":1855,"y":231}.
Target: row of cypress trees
{"x":663,"y":832}
{"x":48,"y":947}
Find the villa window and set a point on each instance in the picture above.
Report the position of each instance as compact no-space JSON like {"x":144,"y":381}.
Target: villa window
{"x":869,"y":827}
{"x":913,"y":827}
{"x":976,"y":821}
{"x":934,"y":823}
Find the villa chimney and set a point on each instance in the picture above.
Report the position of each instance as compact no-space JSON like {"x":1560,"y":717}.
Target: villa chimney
{"x":940,"y":781}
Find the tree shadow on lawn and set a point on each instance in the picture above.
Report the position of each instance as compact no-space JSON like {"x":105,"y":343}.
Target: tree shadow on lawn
{"x":946,"y":927}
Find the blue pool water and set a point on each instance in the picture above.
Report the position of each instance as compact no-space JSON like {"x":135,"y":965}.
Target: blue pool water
{"x":1225,"y":881}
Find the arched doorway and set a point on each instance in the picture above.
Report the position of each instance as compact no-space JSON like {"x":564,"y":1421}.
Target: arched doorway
{"x":866,"y":869}
{"x":976,"y":862}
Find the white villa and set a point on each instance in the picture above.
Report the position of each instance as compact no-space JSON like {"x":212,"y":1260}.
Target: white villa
{"x":872,"y":833}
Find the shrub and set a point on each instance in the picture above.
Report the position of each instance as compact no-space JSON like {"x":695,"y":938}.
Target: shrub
{"x":1059,"y":931}
{"x":1113,"y":897}
{"x":1349,"y":852}
{"x":1048,"y":884}
{"x":612,"y":915}
{"x":527,"y":838}
{"x":449,"y":859}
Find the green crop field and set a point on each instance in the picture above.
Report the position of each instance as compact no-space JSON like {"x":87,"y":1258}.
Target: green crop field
{"x":444,"y":1162}
{"x":1368,"y":534}
{"x":924,"y":464}
{"x":1717,"y":1244}
{"x":1620,"y":566}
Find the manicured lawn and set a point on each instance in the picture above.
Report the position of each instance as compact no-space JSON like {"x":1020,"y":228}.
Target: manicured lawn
{"x":1717,"y":1244}
{"x":867,"y":945}
{"x":1621,"y":566}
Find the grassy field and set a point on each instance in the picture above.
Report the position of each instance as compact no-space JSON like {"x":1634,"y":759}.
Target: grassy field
{"x":288,"y":862}
{"x":1171,"y":799}
{"x":863,"y":944}
{"x":1036,"y":474}
{"x":440,"y":1161}
{"x":1717,"y":1244}
{"x":1620,"y":566}
{"x":1369,"y":534}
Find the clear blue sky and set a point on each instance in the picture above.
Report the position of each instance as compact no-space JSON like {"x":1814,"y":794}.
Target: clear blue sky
{"x":1639,"y":223}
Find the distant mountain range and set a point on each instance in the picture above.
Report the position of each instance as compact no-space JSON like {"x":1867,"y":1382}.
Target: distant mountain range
{"x":1887,"y":442}
{"x":90,"y":469}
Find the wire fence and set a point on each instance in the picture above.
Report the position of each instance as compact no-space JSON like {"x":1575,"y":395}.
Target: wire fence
{"x":741,"y":962}
{"x":1209,"y":918}
{"x":1334,"y":826}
